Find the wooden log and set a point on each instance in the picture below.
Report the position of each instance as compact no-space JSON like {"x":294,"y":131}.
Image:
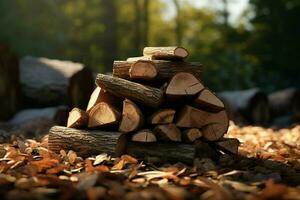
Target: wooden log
{"x":247,"y":106}
{"x":165,"y":69}
{"x":285,"y":102}
{"x":103,"y":115}
{"x":87,"y":143}
{"x":10,"y":85}
{"x":47,"y":82}
{"x":191,"y":135}
{"x":166,"y":53}
{"x":167,"y":132}
{"x":183,"y":84}
{"x":144,"y":135}
{"x":100,"y":95}
{"x":228,"y":145}
{"x":77,"y":118}
{"x":208,"y":101}
{"x":146,"y":95}
{"x":162,"y":116}
{"x":213,"y":125}
{"x":132,"y":117}
{"x":143,"y":71}
{"x":134,"y":59}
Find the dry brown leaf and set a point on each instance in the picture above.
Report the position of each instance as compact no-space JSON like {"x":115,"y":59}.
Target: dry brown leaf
{"x":44,"y":164}
{"x":72,"y":157}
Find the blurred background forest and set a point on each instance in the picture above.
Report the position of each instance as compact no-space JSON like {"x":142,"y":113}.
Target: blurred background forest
{"x":260,"y":48}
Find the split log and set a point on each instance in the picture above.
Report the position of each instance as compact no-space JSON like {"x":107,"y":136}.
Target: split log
{"x":212,"y":125}
{"x":205,"y":150}
{"x":100,"y":95}
{"x":166,"y":53}
{"x":191,"y":135}
{"x":87,"y":143}
{"x":247,"y":106}
{"x":228,"y":145}
{"x":103,"y":115}
{"x":183,"y":84}
{"x":77,"y":118}
{"x":208,"y":101}
{"x":167,"y":132}
{"x":164,"y":69}
{"x":162,"y":116}
{"x":10,"y":85}
{"x":149,"y":96}
{"x":144,"y":135}
{"x":285,"y":102}
{"x":132,"y":117}
{"x":47,"y":82}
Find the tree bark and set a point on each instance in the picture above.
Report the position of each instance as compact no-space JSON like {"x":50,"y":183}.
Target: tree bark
{"x":47,"y":82}
{"x":166,"y":69}
{"x":149,"y":96}
{"x":87,"y":143}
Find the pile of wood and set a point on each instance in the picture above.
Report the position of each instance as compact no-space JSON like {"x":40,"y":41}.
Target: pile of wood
{"x":151,"y":106}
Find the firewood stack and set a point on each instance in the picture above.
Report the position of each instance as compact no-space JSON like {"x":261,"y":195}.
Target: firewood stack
{"x":154,"y":105}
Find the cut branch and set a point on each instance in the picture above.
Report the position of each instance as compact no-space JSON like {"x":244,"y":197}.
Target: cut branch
{"x":137,"y":92}
{"x":207,"y":100}
{"x":144,"y":135}
{"x":166,"y":53}
{"x":162,"y":116}
{"x":168,"y":132}
{"x":191,"y":135}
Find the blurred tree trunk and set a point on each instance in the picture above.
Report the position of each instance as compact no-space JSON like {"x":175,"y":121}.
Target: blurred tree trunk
{"x":146,"y":21}
{"x":225,"y":12}
{"x":137,"y":25}
{"x":178,"y":28}
{"x":109,"y":44}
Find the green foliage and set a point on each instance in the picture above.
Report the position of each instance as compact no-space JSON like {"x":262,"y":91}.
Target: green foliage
{"x":97,"y":31}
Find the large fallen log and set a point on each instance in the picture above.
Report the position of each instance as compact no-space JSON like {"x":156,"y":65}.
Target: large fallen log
{"x":47,"y":82}
{"x":247,"y":106}
{"x":87,"y":143}
{"x":162,"y":70}
{"x":9,"y":86}
{"x":146,"y":95}
{"x":285,"y":102}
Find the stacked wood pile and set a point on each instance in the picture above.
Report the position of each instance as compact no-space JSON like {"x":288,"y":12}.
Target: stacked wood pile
{"x":151,"y":106}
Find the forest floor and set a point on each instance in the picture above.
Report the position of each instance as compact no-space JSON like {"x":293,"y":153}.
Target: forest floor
{"x":267,"y":167}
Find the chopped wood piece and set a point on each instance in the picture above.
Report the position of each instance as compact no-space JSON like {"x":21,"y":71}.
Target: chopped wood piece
{"x":143,"y":71}
{"x":149,"y":96}
{"x":133,"y":59}
{"x":247,"y":106}
{"x":77,"y":118}
{"x":100,"y":95}
{"x":183,"y":84}
{"x":207,"y":100}
{"x":88,"y":143}
{"x":166,"y":53}
{"x":165,"y":69}
{"x":103,"y":114}
{"x":132,"y":117}
{"x":168,"y":132}
{"x":144,"y":135}
{"x":162,"y":116}
{"x":191,"y":135}
{"x":228,"y":145}
{"x":213,"y":125}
